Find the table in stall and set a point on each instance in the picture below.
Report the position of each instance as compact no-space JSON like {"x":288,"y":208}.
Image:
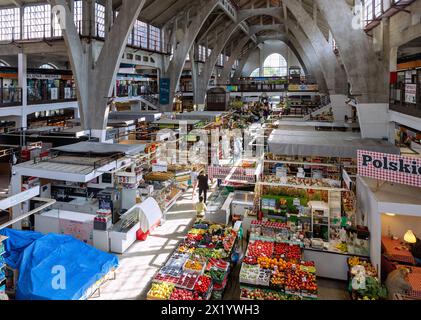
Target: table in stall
{"x":396,"y":251}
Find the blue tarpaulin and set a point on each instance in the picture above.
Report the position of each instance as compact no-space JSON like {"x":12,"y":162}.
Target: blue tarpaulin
{"x":55,"y":267}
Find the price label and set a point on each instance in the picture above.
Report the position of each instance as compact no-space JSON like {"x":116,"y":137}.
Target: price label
{"x":304,"y":279}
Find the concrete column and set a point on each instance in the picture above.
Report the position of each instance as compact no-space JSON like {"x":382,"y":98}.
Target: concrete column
{"x":176,"y":65}
{"x":366,"y":73}
{"x":336,"y":78}
{"x":16,"y":188}
{"x":109,"y":15}
{"x":95,"y":67}
{"x":88,"y":18}
{"x":23,"y":84}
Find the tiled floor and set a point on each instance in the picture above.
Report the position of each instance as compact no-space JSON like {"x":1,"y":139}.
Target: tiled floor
{"x":139,"y":264}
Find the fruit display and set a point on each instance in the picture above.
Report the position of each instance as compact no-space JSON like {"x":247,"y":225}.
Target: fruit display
{"x":260,"y":248}
{"x":160,"y":291}
{"x":297,"y":280}
{"x":369,"y":268}
{"x":290,"y":252}
{"x":203,"y":285}
{"x":185,"y":280}
{"x":279,"y":267}
{"x":260,"y":294}
{"x":181,"y":294}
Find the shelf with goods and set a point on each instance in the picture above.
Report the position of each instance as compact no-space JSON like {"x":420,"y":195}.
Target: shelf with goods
{"x":296,"y":205}
{"x":3,"y":278}
{"x":273,"y":267}
{"x":199,"y":268}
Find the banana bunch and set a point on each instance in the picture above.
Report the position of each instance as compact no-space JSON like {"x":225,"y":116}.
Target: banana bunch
{"x":342,"y":247}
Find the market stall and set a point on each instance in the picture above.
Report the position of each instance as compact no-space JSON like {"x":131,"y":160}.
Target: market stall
{"x":274,"y":267}
{"x":311,"y":198}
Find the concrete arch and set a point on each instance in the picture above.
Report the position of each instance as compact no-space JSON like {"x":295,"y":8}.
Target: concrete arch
{"x":242,"y":15}
{"x":191,"y":32}
{"x":240,"y":45}
{"x":335,"y":76}
{"x":368,"y":76}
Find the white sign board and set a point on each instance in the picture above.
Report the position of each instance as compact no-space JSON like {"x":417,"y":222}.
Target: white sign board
{"x":19,"y":198}
{"x":54,"y":93}
{"x":411,"y":93}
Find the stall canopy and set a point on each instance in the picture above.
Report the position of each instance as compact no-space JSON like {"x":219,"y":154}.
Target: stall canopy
{"x":101,"y":148}
{"x":42,"y":259}
{"x":324,"y":144}
{"x":210,"y":116}
{"x":150,"y":216}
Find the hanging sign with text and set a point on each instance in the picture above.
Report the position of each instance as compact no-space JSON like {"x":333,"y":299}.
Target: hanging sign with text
{"x":390,"y":167}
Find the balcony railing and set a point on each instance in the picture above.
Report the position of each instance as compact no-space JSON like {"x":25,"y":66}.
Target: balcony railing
{"x":12,"y":97}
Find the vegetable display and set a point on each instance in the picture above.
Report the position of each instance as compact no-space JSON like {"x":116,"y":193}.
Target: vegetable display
{"x":197,"y":269}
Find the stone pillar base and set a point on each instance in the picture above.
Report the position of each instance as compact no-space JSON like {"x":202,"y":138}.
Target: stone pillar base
{"x":374,"y":120}
{"x":339,"y":107}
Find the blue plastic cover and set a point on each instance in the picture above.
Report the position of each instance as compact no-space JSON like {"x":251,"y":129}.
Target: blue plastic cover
{"x":17,"y":242}
{"x":57,"y":267}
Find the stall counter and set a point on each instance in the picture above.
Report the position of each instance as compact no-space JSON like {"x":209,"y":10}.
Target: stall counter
{"x":76,"y":224}
{"x":330,"y":264}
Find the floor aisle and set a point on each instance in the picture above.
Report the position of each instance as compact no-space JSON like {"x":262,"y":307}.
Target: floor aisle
{"x":139,"y":264}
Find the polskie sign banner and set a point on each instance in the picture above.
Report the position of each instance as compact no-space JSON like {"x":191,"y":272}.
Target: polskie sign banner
{"x":390,"y":167}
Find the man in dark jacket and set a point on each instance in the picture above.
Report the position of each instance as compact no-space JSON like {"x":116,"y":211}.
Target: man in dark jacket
{"x":203,"y":185}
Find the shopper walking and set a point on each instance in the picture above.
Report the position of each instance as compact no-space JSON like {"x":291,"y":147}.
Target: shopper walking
{"x":201,"y":208}
{"x":203,"y":184}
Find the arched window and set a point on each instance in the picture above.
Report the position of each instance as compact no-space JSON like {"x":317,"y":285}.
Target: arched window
{"x":48,"y":66}
{"x":275,"y":66}
{"x":255,"y":73}
{"x":4,"y":64}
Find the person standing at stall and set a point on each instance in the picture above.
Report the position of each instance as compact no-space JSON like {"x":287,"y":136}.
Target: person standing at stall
{"x":203,"y":185}
{"x":201,"y":208}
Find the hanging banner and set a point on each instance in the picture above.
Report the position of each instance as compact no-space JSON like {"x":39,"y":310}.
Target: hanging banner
{"x":164,"y":91}
{"x":390,"y":167}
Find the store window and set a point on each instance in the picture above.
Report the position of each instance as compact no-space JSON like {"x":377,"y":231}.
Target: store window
{"x":275,"y":66}
{"x":368,"y":11}
{"x":49,"y":66}
{"x":37,"y":22}
{"x":140,"y":34}
{"x":255,"y":73}
{"x":154,"y":38}
{"x":100,"y":20}
{"x":9,"y":24}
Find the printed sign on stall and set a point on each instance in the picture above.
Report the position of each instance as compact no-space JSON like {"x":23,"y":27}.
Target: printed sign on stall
{"x":390,"y":167}
{"x":411,"y":93}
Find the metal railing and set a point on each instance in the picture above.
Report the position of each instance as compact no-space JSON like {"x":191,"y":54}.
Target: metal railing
{"x":51,"y":95}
